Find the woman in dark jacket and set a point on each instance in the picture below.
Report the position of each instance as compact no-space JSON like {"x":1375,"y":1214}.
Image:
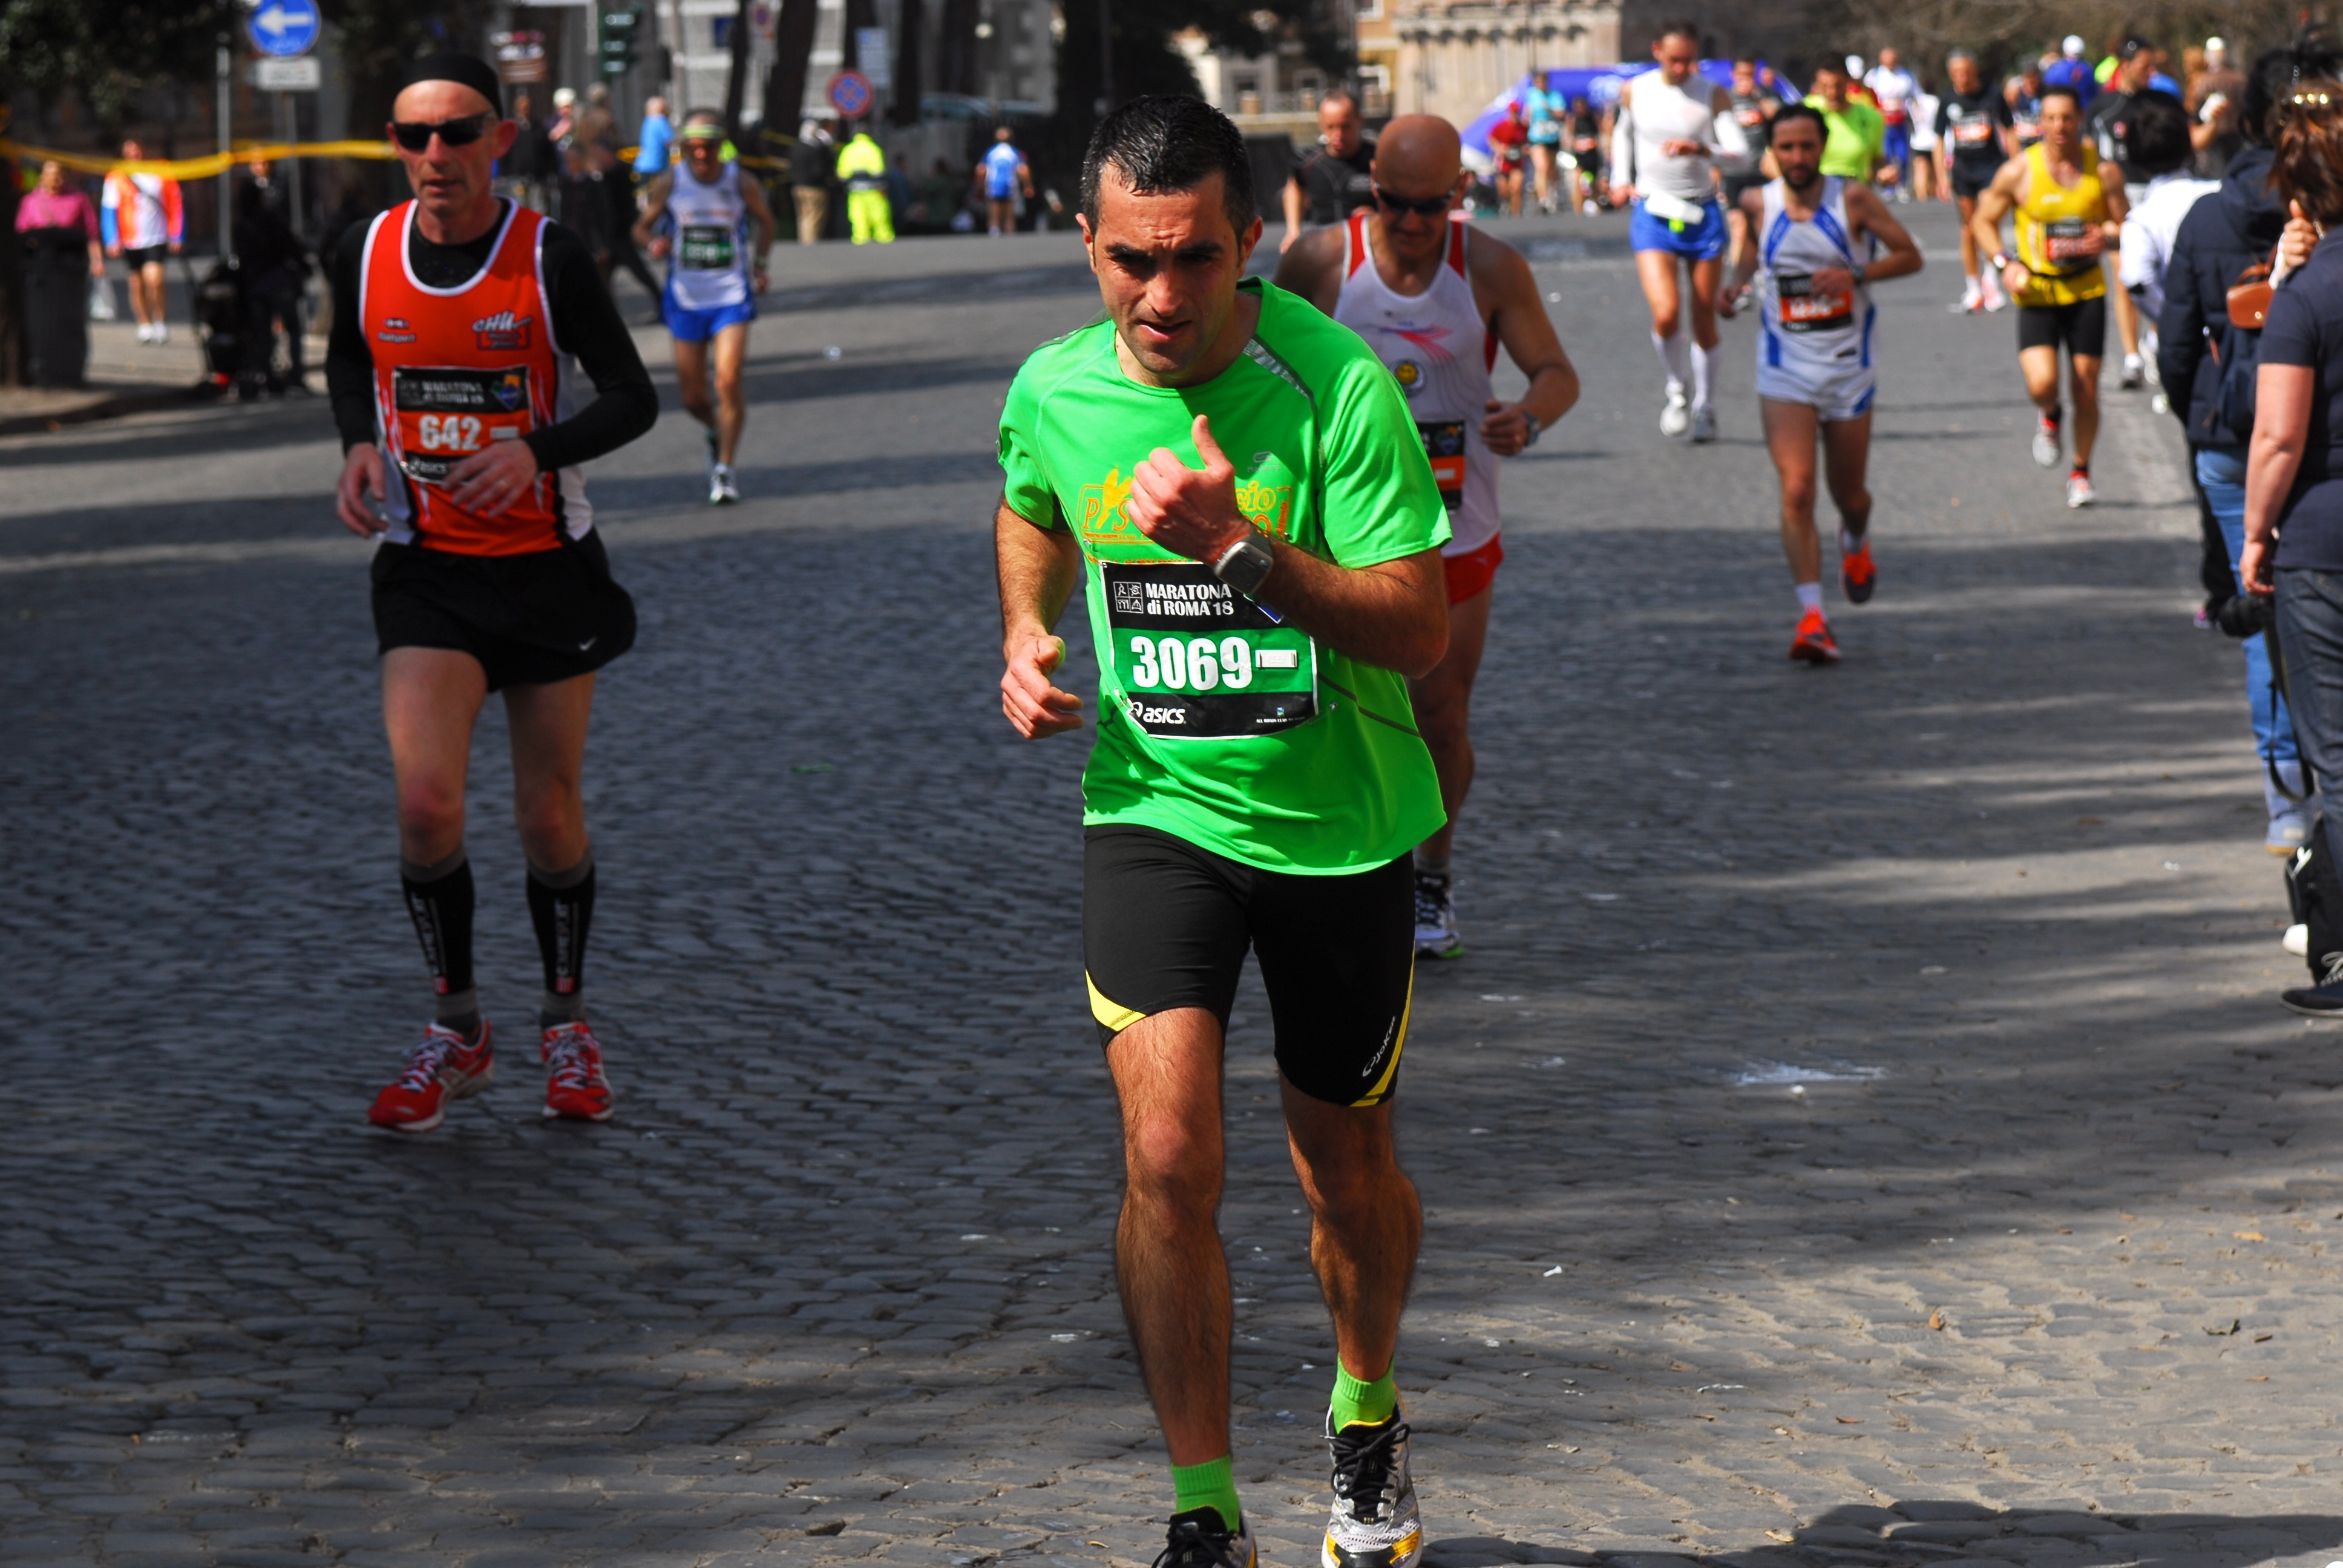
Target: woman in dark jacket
{"x":2294,"y":467}
{"x":2223,"y":235}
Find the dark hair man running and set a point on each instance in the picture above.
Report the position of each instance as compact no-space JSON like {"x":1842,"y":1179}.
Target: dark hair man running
{"x":1432,"y":296}
{"x":1818,"y":238}
{"x":712,"y":282}
{"x":1235,"y":482}
{"x":455,"y":315}
{"x":2067,"y":216}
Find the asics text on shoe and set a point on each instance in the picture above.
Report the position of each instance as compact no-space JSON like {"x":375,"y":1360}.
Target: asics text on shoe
{"x":1375,"y":1523}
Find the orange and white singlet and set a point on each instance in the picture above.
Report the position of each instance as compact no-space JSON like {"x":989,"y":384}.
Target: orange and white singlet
{"x":456,"y":368}
{"x":1438,"y":347}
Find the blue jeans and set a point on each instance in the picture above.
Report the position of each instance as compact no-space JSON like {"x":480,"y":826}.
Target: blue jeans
{"x":2221,"y":470}
{"x":2311,"y":629}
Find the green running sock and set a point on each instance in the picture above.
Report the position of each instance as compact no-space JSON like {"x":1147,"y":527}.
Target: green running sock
{"x":1211,"y":1484}
{"x":1354,"y":1402}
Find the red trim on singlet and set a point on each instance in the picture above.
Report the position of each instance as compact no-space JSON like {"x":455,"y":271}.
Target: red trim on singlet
{"x":1456,"y":243}
{"x":1355,"y":248}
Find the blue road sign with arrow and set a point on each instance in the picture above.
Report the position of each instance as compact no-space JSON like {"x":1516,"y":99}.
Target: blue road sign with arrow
{"x":284,"y":28}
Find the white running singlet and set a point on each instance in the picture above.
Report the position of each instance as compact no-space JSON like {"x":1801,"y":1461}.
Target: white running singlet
{"x":709,"y":268}
{"x":1439,"y":349}
{"x":1657,"y":114}
{"x":1811,"y":348}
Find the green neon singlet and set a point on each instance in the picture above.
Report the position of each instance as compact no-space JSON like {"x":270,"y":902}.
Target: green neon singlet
{"x":1218,"y":721}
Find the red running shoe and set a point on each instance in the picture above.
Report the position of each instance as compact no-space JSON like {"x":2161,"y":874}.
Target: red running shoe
{"x":1857,"y":576}
{"x":445,"y":1067}
{"x":1813,"y":642}
{"x":575,"y":1088}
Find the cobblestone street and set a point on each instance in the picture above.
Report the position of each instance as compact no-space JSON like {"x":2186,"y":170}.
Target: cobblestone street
{"x":1862,"y":1130}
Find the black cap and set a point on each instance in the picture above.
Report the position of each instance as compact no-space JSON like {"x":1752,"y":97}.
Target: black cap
{"x":2133,"y":46}
{"x":465,"y":70}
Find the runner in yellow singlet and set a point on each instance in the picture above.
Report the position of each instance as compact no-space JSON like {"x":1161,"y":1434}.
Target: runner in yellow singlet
{"x":2065,"y":217}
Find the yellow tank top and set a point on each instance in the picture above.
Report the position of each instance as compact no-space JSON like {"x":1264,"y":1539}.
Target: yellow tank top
{"x":2054,"y":231}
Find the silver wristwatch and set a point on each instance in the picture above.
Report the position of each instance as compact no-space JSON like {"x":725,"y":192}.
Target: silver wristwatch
{"x":1244,"y":566}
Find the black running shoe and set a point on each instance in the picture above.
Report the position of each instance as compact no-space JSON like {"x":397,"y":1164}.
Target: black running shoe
{"x":2324,"y":999}
{"x":1198,"y":1539}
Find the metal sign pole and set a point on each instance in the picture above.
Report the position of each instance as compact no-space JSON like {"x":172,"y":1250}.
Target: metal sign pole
{"x":227,"y":176}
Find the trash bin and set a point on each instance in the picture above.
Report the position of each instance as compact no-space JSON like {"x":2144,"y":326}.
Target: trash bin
{"x":56,"y":304}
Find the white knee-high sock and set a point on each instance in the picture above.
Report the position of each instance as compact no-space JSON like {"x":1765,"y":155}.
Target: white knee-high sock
{"x":1675,"y":358}
{"x":1703,"y":374}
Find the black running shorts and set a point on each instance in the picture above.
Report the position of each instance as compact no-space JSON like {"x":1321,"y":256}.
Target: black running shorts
{"x":530,"y":619}
{"x":145,"y":256}
{"x":1165,"y":924}
{"x":1737,"y":186}
{"x":2081,"y":327}
{"x":1971,"y":182}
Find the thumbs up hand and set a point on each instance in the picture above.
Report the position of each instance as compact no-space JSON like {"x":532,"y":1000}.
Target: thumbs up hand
{"x":1191,"y":512}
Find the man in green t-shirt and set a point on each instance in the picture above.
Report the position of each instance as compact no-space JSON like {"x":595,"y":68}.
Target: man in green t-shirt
{"x":1854,"y":146}
{"x":1236,"y":484}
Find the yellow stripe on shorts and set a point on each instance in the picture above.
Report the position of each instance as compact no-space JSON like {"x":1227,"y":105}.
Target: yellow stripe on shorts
{"x":1113,"y":1014}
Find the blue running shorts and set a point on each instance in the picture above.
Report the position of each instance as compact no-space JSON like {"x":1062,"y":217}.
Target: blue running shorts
{"x":686,"y":325}
{"x":1703,"y":241}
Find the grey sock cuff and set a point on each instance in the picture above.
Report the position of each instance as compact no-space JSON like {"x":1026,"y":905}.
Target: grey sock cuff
{"x":571,"y":1007}
{"x":562,"y":881}
{"x":461,"y":1004}
{"x":416,"y":871}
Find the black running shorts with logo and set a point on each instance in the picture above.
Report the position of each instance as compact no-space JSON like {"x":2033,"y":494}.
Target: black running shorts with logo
{"x":1165,"y":924}
{"x":530,"y":619}
{"x":2081,"y":326}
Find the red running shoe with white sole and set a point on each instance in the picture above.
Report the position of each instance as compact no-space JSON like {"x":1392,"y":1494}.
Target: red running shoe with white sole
{"x":447,"y":1067}
{"x":1857,"y":577}
{"x":575,"y":1087}
{"x":1813,"y":642}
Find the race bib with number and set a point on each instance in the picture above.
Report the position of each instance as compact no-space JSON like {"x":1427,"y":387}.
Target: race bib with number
{"x":1973,"y":133}
{"x":1803,"y":309}
{"x":704,"y":247}
{"x":1194,"y":656}
{"x":1443,"y":443}
{"x":2070,"y":241}
{"x":446,"y":413}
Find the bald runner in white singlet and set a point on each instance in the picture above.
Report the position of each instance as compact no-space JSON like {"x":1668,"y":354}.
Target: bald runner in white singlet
{"x":1434,"y":297}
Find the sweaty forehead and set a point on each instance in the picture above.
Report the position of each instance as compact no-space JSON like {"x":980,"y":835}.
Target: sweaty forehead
{"x":430,"y":102}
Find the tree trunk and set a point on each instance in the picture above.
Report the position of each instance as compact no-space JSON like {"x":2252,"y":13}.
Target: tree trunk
{"x":785,"y":83}
{"x":736,"y":78}
{"x":13,"y":370}
{"x":910,"y":24}
{"x":957,"y":70}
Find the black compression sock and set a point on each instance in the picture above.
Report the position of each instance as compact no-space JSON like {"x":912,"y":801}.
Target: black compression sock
{"x":439,"y":900}
{"x":561,"y":907}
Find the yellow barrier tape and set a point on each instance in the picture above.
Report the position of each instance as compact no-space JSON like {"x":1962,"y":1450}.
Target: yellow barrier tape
{"x":203,"y":168}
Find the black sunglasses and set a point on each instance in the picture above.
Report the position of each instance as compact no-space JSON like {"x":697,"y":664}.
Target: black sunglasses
{"x":417,"y":137}
{"x":1426,"y":206}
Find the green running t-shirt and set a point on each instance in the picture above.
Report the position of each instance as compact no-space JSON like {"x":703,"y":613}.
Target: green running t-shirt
{"x":1855,"y":138}
{"x":1218,"y":722}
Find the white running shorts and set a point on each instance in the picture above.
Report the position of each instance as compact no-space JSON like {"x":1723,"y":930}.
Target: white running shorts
{"x":1834,"y":394}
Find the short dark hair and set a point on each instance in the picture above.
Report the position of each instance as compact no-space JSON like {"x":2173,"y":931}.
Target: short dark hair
{"x":1744,"y":56}
{"x":1793,"y":112}
{"x":2072,"y":94}
{"x":2159,"y":132}
{"x":1835,"y":64}
{"x":1678,"y":27}
{"x":1166,"y":142}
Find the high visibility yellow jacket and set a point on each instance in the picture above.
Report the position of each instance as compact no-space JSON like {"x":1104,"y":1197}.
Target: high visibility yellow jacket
{"x":861,"y":165}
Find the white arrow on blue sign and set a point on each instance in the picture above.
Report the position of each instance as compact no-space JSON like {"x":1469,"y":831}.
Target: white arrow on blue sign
{"x":284,"y":27}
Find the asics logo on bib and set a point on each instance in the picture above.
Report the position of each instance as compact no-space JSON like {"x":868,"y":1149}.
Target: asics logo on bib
{"x":502,"y":330}
{"x":1145,"y":715}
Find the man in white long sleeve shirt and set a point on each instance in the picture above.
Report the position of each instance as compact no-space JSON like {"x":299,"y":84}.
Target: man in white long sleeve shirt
{"x":1673,"y":123}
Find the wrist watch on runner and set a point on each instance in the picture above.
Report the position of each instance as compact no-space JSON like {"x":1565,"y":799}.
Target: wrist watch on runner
{"x":1244,"y":566}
